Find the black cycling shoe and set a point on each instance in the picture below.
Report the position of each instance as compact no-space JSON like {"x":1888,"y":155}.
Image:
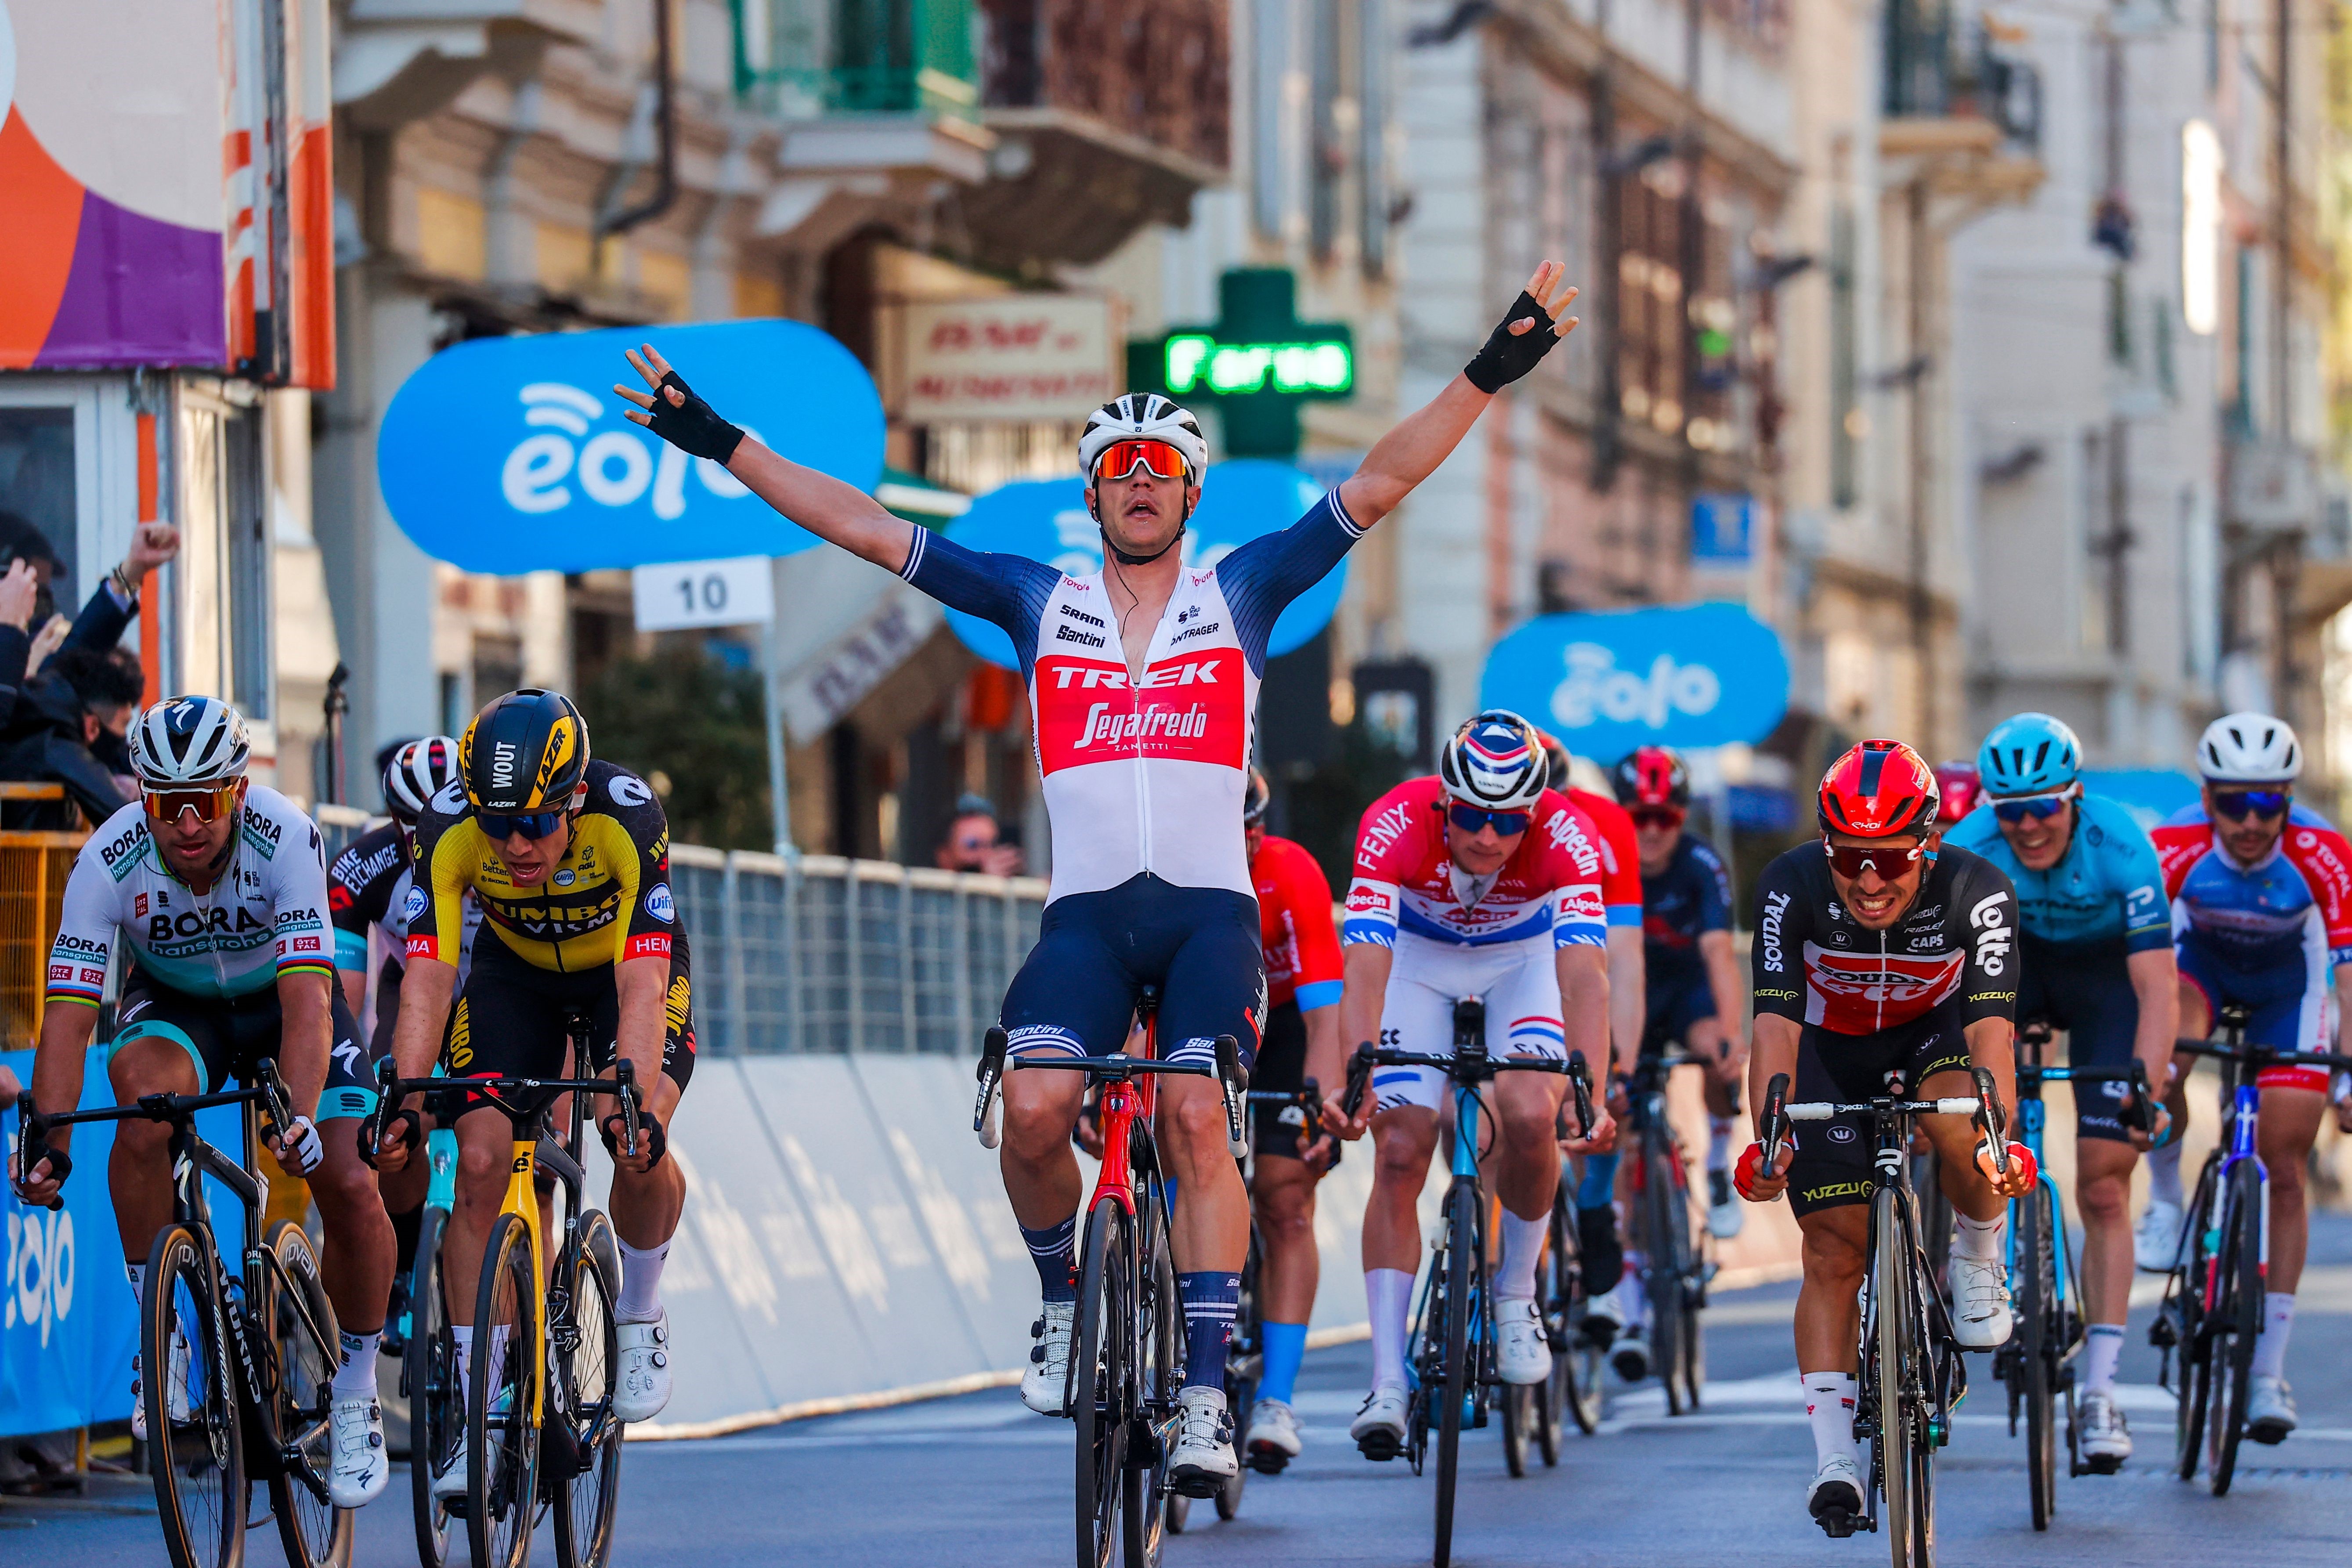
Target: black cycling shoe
{"x":1835,"y":1503}
{"x":1605,"y":1255}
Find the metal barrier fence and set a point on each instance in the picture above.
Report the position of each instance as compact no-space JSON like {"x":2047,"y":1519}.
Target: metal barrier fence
{"x":828,"y":954}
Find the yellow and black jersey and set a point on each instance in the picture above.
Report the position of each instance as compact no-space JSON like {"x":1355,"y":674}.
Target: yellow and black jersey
{"x":607,"y":899}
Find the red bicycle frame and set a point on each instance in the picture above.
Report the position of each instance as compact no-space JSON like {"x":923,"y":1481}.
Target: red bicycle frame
{"x":1123,"y":1100}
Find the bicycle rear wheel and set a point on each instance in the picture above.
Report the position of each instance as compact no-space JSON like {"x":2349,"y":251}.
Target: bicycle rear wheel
{"x":1895,"y":1437}
{"x":2035,"y":1360}
{"x":315,"y":1534}
{"x":196,"y":1437}
{"x":436,"y":1397}
{"x":583,"y":1434}
{"x":1458,"y":1382}
{"x":504,"y":1409}
{"x":1099,"y":1381}
{"x":1573,"y":1391}
{"x":2194,"y":1330}
{"x":1664,"y":1200}
{"x":1157,"y":1381}
{"x":2238,"y":1320}
{"x":1242,"y":1367}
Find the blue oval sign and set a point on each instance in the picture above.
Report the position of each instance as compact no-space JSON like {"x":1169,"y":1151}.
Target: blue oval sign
{"x":1046,"y":520}
{"x":509,"y":455}
{"x":1605,"y":683}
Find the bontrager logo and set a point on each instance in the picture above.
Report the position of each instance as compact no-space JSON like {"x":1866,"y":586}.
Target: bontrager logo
{"x":1769,"y":933}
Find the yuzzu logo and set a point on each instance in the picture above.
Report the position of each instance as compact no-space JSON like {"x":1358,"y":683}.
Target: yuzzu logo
{"x":1704,"y":675}
{"x":512,"y":455}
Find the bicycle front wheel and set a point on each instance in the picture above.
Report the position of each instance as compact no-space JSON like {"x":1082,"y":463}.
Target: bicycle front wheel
{"x":504,"y":1400}
{"x":583,"y":1435}
{"x":2195,"y":1328}
{"x":195,"y":1438}
{"x":2036,"y":1357}
{"x":2238,"y":1320}
{"x":315,"y":1534}
{"x":1573,"y":1391}
{"x":1156,"y":1380}
{"x":1458,"y":1382}
{"x":436,"y":1397}
{"x":1896,"y":1436}
{"x":1666,"y":1201}
{"x":1098,"y":1380}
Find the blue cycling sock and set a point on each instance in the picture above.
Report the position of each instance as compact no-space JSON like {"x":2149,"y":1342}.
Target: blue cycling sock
{"x":1282,"y":1347}
{"x":1054,"y":1252}
{"x":1600,"y":1184}
{"x":1210,"y":1299}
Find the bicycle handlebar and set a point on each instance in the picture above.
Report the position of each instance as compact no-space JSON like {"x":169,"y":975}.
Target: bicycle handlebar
{"x":33,"y":1127}
{"x":1118,"y":1067}
{"x":1472,"y":1066}
{"x":2263,"y":1056}
{"x":1825,"y":1109}
{"x":392,"y":1089}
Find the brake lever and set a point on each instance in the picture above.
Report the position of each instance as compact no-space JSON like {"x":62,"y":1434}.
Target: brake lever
{"x":274,"y":1109}
{"x":1580,"y":1079}
{"x":625,"y":1077}
{"x":1233,"y":1084}
{"x":33,"y":1133}
{"x":2140,"y":1115}
{"x":1776,"y":1121}
{"x":991,"y":1073}
{"x":1359,"y":1078}
{"x":1989,"y":1114}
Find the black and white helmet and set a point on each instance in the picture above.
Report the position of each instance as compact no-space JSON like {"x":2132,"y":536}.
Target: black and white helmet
{"x":184,"y":741}
{"x":2248,"y":749}
{"x":1143,"y":416}
{"x":417,"y":772}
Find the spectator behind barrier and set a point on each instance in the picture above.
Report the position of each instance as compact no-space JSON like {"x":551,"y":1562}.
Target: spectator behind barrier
{"x":974,"y":841}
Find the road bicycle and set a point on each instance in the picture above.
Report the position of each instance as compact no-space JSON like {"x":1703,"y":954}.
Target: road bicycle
{"x":1676,"y":1268}
{"x":428,"y":1369}
{"x":1536,"y":1414}
{"x":1913,"y":1374}
{"x":536,"y":1400}
{"x":237,"y":1367}
{"x":2037,"y":1365}
{"x":1451,"y":1371}
{"x":2212,"y":1310}
{"x":1126,"y":1365}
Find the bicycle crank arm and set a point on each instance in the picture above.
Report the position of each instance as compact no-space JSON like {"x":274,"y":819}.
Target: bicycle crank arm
{"x":298,"y":1465}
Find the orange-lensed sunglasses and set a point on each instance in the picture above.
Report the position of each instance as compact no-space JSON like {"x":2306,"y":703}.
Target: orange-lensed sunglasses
{"x":209,"y":804}
{"x":1121,"y":458}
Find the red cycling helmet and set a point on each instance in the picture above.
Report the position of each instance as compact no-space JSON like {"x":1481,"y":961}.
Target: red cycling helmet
{"x":1958,"y":789}
{"x":1880,"y":789}
{"x":1652,"y":776}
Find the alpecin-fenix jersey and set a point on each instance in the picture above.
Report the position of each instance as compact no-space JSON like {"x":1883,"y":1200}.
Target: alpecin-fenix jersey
{"x":266,"y":917}
{"x":1144,"y":773}
{"x":1405,"y":879}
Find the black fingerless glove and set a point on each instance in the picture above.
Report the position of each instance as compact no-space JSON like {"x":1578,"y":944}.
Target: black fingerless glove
{"x":1506,"y":358}
{"x":694,"y":426}
{"x":649,"y":1134}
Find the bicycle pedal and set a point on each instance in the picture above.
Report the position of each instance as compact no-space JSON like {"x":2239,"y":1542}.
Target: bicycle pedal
{"x":2102,"y":1465}
{"x":1380,"y":1446}
{"x":1837,"y":1523}
{"x":1269,"y":1461}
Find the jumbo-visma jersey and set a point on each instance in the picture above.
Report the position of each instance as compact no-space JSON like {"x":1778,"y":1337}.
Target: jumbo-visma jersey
{"x":1406,"y":881}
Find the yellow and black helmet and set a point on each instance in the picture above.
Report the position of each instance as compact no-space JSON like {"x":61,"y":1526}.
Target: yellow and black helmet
{"x":526,"y":752}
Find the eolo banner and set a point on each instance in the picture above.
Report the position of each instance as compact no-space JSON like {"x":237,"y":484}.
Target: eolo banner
{"x":1607,"y":681}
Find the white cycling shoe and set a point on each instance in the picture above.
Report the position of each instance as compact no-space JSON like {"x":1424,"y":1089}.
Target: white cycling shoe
{"x":449,"y":1484}
{"x":2269,"y":1409}
{"x":1836,"y":1498}
{"x":1981,"y":1315}
{"x":1202,"y":1459}
{"x":177,"y":1388}
{"x":643,"y":1387}
{"x":1522,"y":1348}
{"x":1379,"y":1426}
{"x":2156,"y":1239}
{"x":1725,"y":1211}
{"x":362,"y":1466}
{"x":1045,"y":1386}
{"x":2104,"y":1435}
{"x":1631,"y":1358}
{"x":1274,"y":1438}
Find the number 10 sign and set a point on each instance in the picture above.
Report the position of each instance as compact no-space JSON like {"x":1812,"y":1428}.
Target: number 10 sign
{"x":679,"y":595}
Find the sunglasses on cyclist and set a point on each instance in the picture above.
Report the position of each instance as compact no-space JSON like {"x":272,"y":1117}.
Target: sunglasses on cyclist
{"x":1850,"y":860}
{"x":2237,"y":804}
{"x":1121,"y":458}
{"x":1470,"y":819}
{"x":1659,"y":817}
{"x":533,"y":824}
{"x":2041,"y":807}
{"x":209,"y":804}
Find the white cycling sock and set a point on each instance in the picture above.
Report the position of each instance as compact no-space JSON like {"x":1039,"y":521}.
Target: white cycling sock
{"x":2278,"y":1322}
{"x":2102,"y":1346}
{"x":2164,"y":1172}
{"x":1828,"y":1407}
{"x":355,"y":1378}
{"x":1979,"y":1238}
{"x":1523,"y":1245}
{"x":1388,"y":1292}
{"x":463,"y":1335}
{"x":1718,"y":1144}
{"x":641,"y":1272}
{"x":138,"y":1272}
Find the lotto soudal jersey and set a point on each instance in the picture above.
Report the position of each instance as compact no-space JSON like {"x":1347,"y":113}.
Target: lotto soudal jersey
{"x":1143,"y":770}
{"x":267,"y":915}
{"x":1406,"y":880}
{"x":2272,"y":914}
{"x":1814,"y":963}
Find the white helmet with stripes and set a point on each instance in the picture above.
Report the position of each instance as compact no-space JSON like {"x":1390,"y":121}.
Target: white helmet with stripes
{"x":417,"y":772}
{"x":1494,"y":760}
{"x":2248,"y":749}
{"x":1143,"y":416}
{"x":189,"y":741}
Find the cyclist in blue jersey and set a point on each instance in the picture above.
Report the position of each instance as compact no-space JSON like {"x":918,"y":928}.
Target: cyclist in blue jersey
{"x":2095,"y":960}
{"x":1143,"y":681}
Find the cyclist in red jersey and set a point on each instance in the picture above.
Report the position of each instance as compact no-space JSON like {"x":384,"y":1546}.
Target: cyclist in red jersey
{"x":1302,"y":1013}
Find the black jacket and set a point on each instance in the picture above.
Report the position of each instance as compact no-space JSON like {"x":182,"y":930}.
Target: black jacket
{"x":41,"y":720}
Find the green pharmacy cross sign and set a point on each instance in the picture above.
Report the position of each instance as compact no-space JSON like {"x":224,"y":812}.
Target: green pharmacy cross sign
{"x":1256,"y":362}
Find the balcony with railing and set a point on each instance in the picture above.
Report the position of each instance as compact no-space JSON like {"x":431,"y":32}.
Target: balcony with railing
{"x":1955,"y":85}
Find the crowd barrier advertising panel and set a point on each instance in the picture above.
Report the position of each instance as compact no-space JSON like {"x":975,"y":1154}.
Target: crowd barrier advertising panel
{"x":1607,"y":681}
{"x":1047,"y":519}
{"x":512,"y":455}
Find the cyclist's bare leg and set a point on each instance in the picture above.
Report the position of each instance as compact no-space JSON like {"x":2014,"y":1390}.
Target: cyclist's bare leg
{"x":139,"y":1171}
{"x":645,"y":1206}
{"x":1041,"y":1172}
{"x":2196,"y":1024}
{"x":485,"y":1161}
{"x":1955,"y":1140}
{"x":2102,"y":1173}
{"x":1209,"y":1229}
{"x":1527,"y":1173}
{"x":1403,"y":1142}
{"x":356,"y":1263}
{"x":2283,"y":1137}
{"x":1283,"y":1193}
{"x":1829,"y":1308}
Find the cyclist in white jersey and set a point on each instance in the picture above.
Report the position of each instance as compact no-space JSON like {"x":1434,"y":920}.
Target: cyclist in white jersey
{"x":1142,"y":687}
{"x":217,"y":888}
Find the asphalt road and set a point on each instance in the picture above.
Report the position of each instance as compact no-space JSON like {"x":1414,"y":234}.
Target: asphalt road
{"x":977,"y":1480}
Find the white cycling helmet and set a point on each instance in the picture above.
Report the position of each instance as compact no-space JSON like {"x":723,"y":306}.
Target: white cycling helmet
{"x":1143,"y":416}
{"x":2250,"y":748}
{"x":189,"y":741}
{"x":419,"y":771}
{"x":1495,"y":762}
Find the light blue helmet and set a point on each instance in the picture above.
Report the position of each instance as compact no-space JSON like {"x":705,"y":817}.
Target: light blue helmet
{"x":2028,"y":753}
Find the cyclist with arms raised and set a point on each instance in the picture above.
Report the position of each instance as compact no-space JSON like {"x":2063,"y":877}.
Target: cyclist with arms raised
{"x":216,"y":889}
{"x":568,"y":861}
{"x":1143,"y":684}
{"x":1301,"y":953}
{"x":2096,"y":962}
{"x":2262,"y":917}
{"x":1878,"y":960}
{"x":1477,"y":882}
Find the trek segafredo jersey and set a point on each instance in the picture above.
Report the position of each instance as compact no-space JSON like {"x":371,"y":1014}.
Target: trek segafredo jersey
{"x":1142,"y":772}
{"x":266,"y":917}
